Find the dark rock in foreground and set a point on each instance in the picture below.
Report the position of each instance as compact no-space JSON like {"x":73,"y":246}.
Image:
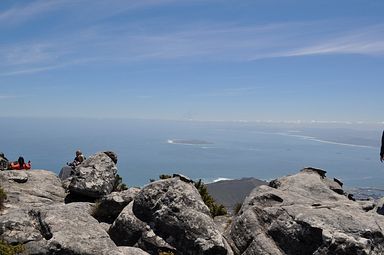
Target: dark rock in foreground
{"x":177,"y":214}
{"x":110,"y":206}
{"x":302,"y":214}
{"x":305,"y":214}
{"x":95,"y":177}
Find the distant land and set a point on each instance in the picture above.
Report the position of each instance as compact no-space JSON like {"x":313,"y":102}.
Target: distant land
{"x":188,"y":142}
{"x":232,"y":192}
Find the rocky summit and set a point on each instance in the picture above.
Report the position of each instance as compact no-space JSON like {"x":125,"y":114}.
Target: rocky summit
{"x":306,"y":213}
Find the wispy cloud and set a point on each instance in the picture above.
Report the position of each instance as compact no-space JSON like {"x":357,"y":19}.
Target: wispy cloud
{"x":232,"y":42}
{"x":24,"y":12}
{"x":369,"y":42}
{"x":135,"y":41}
{"x":4,"y":97}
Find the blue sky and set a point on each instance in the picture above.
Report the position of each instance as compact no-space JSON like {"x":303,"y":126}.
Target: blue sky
{"x":279,"y":60}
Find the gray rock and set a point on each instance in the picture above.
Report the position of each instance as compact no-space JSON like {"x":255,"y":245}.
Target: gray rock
{"x":95,"y":177}
{"x":105,"y":226}
{"x":18,"y":227}
{"x":111,"y":205}
{"x":65,"y":173}
{"x":73,"y":230}
{"x":176,"y":213}
{"x":380,"y":206}
{"x":29,"y":189}
{"x":129,"y":230}
{"x":112,"y":155}
{"x":131,"y":251}
{"x":305,"y":214}
{"x":222,"y":222}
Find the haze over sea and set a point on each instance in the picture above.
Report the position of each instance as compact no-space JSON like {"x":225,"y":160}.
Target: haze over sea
{"x":206,"y":150}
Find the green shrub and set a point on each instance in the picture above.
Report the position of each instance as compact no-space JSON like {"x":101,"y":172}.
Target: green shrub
{"x":3,"y":197}
{"x":9,"y":249}
{"x":214,"y":208}
{"x":165,"y":176}
{"x":119,"y":185}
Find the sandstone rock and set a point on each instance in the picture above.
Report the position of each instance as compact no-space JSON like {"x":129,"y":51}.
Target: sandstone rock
{"x":305,"y":214}
{"x":18,"y":227}
{"x":126,"y":230}
{"x":65,"y":173}
{"x":129,"y":230}
{"x":112,"y":155}
{"x":222,"y":222}
{"x":27,"y":189}
{"x":177,"y":214}
{"x":380,"y":206}
{"x":95,"y":177}
{"x":131,"y":251}
{"x":73,"y":230}
{"x":110,"y":206}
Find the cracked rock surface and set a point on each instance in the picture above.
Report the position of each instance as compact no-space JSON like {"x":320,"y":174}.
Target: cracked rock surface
{"x":306,"y":214}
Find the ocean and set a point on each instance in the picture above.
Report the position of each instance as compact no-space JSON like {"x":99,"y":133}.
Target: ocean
{"x":201,"y":150}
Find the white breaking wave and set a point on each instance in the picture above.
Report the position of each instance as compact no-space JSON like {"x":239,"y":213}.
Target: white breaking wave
{"x":311,"y":138}
{"x":207,"y":181}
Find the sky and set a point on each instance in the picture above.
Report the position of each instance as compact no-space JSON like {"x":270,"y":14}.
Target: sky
{"x":231,"y":60}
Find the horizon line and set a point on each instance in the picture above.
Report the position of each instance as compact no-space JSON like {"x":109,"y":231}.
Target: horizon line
{"x":345,"y":122}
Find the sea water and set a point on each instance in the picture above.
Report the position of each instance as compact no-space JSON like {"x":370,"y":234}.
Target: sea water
{"x":200,"y":150}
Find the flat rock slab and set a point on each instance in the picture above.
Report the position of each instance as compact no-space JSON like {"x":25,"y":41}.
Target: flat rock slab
{"x":32,"y":188}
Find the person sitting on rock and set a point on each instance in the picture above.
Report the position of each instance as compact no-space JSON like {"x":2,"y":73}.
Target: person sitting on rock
{"x":20,"y":164}
{"x":78,"y":159}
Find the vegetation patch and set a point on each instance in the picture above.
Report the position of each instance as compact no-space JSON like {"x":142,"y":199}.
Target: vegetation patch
{"x":214,"y":208}
{"x":9,"y":249}
{"x":119,"y":185}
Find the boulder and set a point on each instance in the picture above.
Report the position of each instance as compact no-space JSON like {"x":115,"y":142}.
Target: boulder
{"x":65,"y":229}
{"x":95,"y":177}
{"x":175,"y":212}
{"x":111,"y":205}
{"x":112,"y":155}
{"x":126,"y":230}
{"x":306,"y":214}
{"x":65,"y":173}
{"x":129,"y":230}
{"x":29,"y":189}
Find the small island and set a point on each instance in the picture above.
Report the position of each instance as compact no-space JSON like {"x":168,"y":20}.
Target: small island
{"x":188,"y":142}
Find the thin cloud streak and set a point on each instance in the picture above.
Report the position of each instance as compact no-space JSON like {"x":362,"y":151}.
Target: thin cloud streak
{"x":21,"y":13}
{"x":230,"y":43}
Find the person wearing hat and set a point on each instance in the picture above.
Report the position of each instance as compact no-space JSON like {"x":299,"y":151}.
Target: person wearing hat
{"x":79,"y":158}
